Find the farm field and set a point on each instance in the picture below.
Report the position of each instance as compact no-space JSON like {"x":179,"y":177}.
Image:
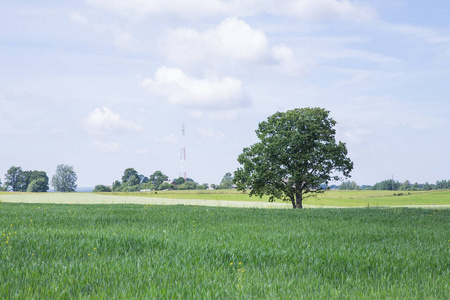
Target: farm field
{"x":382,"y":198}
{"x":128,"y":198}
{"x":147,"y":251}
{"x":231,"y":198}
{"x":329,"y":198}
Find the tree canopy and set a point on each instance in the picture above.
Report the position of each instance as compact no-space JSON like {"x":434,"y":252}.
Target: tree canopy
{"x":38,"y":185}
{"x":349,"y":185}
{"x":179,"y":181}
{"x":132,"y":181}
{"x":100,"y":188}
{"x":158,"y":178}
{"x":128,"y":173}
{"x":388,"y":185}
{"x":296,"y":153}
{"x":14,"y":178}
{"x":65,"y":179}
{"x":35,"y":181}
{"x":227,"y":181}
{"x":18,"y":180}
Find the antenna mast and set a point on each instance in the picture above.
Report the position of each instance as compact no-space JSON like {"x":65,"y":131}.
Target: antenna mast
{"x":183,"y":155}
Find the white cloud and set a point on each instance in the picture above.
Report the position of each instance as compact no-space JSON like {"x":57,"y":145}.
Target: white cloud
{"x":103,"y":119}
{"x":308,"y":10}
{"x":232,"y":39}
{"x":236,"y":39}
{"x":184,"y":90}
{"x":287,"y":60}
{"x":107,"y":147}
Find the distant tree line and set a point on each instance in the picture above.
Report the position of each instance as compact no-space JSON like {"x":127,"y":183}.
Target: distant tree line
{"x":349,"y":185}
{"x":132,"y":181}
{"x":64,"y":180}
{"x":393,"y":185}
{"x":17,"y":180}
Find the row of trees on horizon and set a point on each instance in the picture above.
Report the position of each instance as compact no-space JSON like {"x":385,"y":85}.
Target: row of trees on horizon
{"x":132,"y":181}
{"x":65,"y":178}
{"x":392,"y":185}
{"x":18,"y":180}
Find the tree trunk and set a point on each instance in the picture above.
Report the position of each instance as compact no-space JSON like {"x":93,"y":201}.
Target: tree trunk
{"x":299,"y":199}
{"x":294,"y":206}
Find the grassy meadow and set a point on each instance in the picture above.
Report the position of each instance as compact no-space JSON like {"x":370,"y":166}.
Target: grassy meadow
{"x":50,"y":251}
{"x":332,"y":198}
{"x":328,"y":198}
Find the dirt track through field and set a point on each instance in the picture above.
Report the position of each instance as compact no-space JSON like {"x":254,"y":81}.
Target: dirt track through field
{"x":89,"y":198}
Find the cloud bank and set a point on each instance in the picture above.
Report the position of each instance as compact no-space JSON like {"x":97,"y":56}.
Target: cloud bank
{"x":232,"y":41}
{"x":187,"y":91}
{"x":103,"y":119}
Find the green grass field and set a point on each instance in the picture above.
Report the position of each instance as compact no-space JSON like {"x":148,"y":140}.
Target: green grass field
{"x":50,"y":251}
{"x":329,"y":198}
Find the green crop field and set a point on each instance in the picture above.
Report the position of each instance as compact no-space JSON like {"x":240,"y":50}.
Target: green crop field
{"x":382,"y":198}
{"x":329,"y":198}
{"x":233,"y":198}
{"x":51,"y":251}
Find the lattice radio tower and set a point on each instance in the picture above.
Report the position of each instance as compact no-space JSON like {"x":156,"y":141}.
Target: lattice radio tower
{"x":183,"y":155}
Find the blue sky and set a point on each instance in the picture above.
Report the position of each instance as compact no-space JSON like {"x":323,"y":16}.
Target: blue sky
{"x":104,"y":85}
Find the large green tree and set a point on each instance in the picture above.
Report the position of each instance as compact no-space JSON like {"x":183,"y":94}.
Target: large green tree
{"x":133,"y":180}
{"x":179,"y":181}
{"x":15,"y":179}
{"x":296,"y":153}
{"x":128,"y":173}
{"x":227,"y":181}
{"x":116,"y":186}
{"x":30,"y":177}
{"x":64,"y":179}
{"x":19,"y":180}
{"x":158,"y":178}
